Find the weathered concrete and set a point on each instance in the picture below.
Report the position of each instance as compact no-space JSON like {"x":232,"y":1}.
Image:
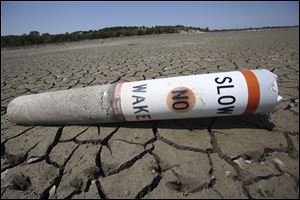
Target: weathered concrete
{"x":88,"y":105}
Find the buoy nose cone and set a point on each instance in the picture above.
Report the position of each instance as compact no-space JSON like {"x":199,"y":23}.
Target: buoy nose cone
{"x":12,"y":107}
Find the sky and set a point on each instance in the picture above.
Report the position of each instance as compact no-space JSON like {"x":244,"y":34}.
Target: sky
{"x":54,"y":17}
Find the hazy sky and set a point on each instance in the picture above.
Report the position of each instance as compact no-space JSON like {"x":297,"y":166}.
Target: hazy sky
{"x":60,"y":17}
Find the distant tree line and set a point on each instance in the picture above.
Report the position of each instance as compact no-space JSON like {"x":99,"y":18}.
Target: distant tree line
{"x":251,"y":28}
{"x":34,"y":37}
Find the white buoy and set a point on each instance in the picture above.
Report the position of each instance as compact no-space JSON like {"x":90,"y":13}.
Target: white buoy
{"x":206,"y":95}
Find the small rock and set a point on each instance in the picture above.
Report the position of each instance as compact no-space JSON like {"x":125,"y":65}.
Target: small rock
{"x":127,"y":193}
{"x":52,"y":191}
{"x":278,"y":161}
{"x":248,"y":161}
{"x":168,"y":68}
{"x":30,"y":160}
{"x":264,"y":191}
{"x":21,"y":182}
{"x":292,"y":105}
{"x":228,"y":173}
{"x":239,"y":161}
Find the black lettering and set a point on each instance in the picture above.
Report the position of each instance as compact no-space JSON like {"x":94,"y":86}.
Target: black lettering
{"x":140,"y":109}
{"x":224,"y":86}
{"x":225,"y":110}
{"x":224,"y":79}
{"x":143,"y":116}
{"x":179,"y":94}
{"x":184,"y":104}
{"x":138,"y":99}
{"x":140,"y":88}
{"x":226,"y":97}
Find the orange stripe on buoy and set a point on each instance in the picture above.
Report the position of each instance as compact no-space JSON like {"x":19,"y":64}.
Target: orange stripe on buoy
{"x":253,"y":91}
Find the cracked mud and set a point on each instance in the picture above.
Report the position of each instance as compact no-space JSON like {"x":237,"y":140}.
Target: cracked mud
{"x":231,"y":157}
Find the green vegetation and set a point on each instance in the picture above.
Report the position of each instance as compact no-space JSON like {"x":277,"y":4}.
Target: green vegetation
{"x":34,"y":37}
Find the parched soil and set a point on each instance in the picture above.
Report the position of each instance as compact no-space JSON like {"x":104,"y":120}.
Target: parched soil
{"x":226,"y":157}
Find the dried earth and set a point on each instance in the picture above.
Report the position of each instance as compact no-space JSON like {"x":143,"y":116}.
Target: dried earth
{"x":226,"y":157}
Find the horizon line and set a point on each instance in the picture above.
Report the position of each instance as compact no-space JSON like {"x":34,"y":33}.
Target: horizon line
{"x":217,"y":29}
